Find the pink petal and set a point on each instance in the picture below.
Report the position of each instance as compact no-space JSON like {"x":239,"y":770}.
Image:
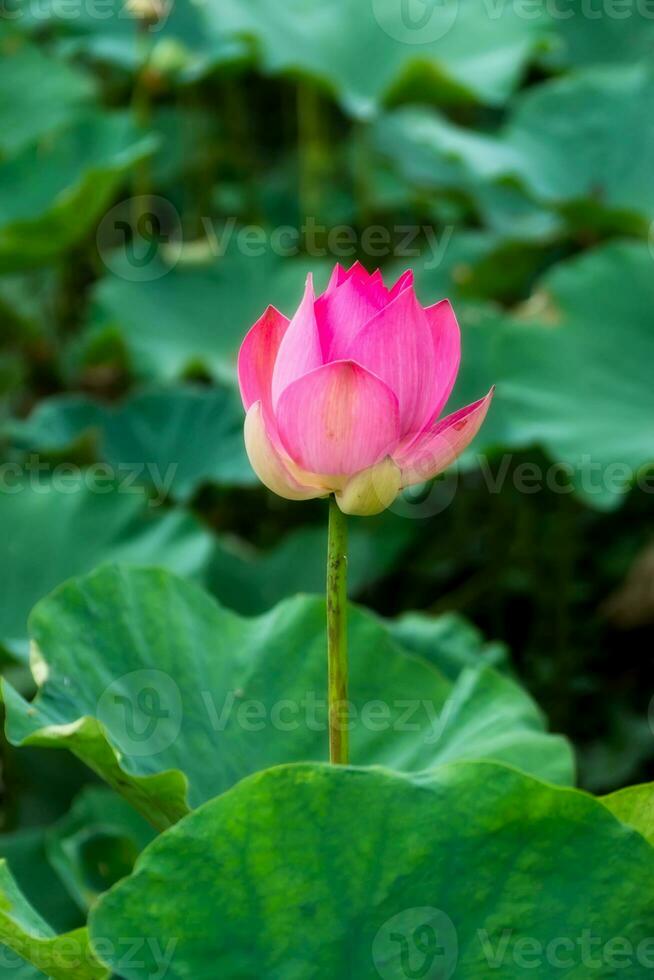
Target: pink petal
{"x":447,"y":344}
{"x":397,"y":346}
{"x":256,"y":358}
{"x":357,"y":271}
{"x":340,"y":314}
{"x":338,"y":276}
{"x":405,"y":280}
{"x":436,"y":449}
{"x":299,"y":351}
{"x":338,"y":419}
{"x":373,"y":283}
{"x":267,"y":462}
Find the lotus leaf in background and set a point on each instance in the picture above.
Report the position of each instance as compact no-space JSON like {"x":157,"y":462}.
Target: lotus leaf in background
{"x":250,"y":580}
{"x":51,"y":196}
{"x":185,"y":435}
{"x":184,"y":43}
{"x":574,"y":144}
{"x":193,"y":317}
{"x":29,"y":110}
{"x":95,"y":844}
{"x":465,"y":52}
{"x":50,"y":534}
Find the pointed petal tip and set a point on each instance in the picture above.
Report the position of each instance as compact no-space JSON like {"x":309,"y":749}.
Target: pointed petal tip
{"x":438,"y":448}
{"x":405,"y":281}
{"x":300,"y":350}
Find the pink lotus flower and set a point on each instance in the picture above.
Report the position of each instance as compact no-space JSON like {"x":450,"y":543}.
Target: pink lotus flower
{"x":344,"y":397}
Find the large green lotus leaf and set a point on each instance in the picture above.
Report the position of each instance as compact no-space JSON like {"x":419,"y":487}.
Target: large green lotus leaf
{"x":187,"y":435}
{"x":635,"y":807}
{"x":565,"y":145}
{"x":337,"y":872}
{"x":51,"y":194}
{"x":463,"y":49}
{"x":28,"y":108}
{"x":51,"y":532}
{"x":192,"y":317}
{"x":431,"y":152}
{"x":60,"y":957}
{"x":474,"y":269}
{"x":172,"y":698}
{"x":96,"y":843}
{"x":251,"y":581}
{"x":582,"y":142}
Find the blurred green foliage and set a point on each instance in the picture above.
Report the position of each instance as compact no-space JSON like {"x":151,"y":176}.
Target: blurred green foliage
{"x":164,"y":177}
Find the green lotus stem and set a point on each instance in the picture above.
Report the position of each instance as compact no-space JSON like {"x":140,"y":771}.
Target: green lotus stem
{"x":337,"y":635}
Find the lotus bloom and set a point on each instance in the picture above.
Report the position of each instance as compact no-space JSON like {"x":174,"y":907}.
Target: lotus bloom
{"x":345,"y":397}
